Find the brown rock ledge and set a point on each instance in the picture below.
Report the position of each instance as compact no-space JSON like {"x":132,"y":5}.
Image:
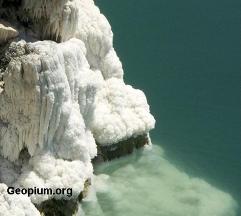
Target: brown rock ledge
{"x":54,"y":207}
{"x":122,"y":148}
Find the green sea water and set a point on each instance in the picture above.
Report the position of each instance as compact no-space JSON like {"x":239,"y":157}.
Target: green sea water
{"x":186,"y":57}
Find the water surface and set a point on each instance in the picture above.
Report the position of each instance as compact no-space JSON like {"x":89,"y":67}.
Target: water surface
{"x":185,"y":55}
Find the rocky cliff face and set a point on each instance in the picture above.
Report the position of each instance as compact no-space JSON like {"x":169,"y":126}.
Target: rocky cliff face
{"x":61,"y":93}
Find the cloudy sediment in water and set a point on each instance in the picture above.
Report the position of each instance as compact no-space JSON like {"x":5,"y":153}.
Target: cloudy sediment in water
{"x":146,"y":183}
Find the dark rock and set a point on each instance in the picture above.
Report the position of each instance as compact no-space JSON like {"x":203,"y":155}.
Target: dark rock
{"x":9,"y":9}
{"x":54,"y":207}
{"x":125,"y":147}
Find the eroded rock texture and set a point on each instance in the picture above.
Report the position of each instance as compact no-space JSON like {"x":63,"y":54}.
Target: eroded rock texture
{"x":61,"y":92}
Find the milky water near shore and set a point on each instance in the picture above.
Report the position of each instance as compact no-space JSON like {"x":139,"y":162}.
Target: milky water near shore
{"x":146,"y":183}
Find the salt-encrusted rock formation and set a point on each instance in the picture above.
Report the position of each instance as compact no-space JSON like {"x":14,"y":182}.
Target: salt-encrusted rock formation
{"x":11,"y":205}
{"x":61,"y":93}
{"x":7,"y":32}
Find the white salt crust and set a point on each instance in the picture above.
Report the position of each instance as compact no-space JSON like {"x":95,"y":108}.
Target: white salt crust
{"x":59,"y":99}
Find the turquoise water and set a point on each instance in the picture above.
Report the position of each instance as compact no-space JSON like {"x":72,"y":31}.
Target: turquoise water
{"x":185,"y":55}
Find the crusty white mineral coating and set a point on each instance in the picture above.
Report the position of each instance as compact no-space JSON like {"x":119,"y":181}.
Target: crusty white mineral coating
{"x":42,"y":90}
{"x":119,"y":112}
{"x":59,"y":99}
{"x":80,"y":19}
{"x":15,"y":205}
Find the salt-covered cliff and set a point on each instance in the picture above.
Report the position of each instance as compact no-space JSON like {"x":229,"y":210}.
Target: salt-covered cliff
{"x":62,"y":93}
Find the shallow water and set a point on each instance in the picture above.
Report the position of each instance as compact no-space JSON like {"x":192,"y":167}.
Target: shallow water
{"x":146,"y":183}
